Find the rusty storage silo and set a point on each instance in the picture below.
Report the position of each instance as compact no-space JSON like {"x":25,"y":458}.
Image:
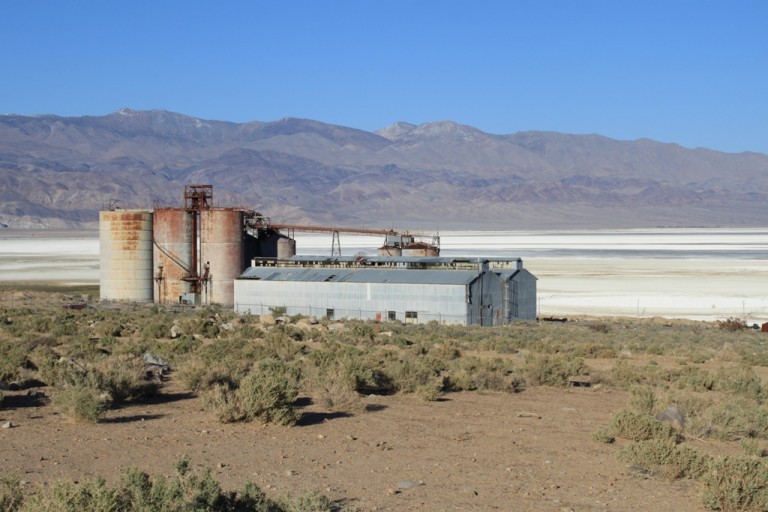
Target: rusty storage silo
{"x":174,"y":253}
{"x":125,"y":253}
{"x":390,"y":250}
{"x":222,"y":237}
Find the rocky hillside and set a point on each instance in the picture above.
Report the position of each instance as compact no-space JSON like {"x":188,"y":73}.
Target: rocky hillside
{"x":58,"y":172}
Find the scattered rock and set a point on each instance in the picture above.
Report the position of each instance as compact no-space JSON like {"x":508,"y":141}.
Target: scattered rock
{"x":409,"y":484}
{"x":673,"y":416}
{"x":528,"y":415}
{"x":175,"y":331}
{"x":267,"y":319}
{"x":8,"y":424}
{"x":283,"y":320}
{"x":337,"y":327}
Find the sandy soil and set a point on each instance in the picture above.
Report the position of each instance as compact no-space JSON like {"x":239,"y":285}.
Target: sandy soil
{"x":527,"y":451}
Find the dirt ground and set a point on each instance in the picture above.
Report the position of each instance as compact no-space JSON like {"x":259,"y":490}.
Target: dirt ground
{"x":532,"y":450}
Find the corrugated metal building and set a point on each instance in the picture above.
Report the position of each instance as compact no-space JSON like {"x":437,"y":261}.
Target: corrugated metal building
{"x":465,"y":291}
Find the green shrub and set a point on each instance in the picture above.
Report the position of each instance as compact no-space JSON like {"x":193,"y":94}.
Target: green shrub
{"x":732,"y":420}
{"x":269,"y":392}
{"x":643,"y":400}
{"x":11,"y":495}
{"x":640,"y":427}
{"x":80,"y":403}
{"x":665,"y":457}
{"x":125,"y":378}
{"x":139,"y":492}
{"x":603,"y":435}
{"x":552,"y":369}
{"x":740,"y":381}
{"x":736,"y":483}
{"x":13,"y":355}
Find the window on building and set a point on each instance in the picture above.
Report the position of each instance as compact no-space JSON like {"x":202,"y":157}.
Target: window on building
{"x":391,"y":316}
{"x":411,"y":317}
{"x":329,"y":314}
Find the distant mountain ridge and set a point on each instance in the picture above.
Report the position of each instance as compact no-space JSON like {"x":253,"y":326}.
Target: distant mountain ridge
{"x":58,"y":172}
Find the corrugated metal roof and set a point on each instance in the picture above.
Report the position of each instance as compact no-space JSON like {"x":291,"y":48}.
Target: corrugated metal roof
{"x":364,"y":275}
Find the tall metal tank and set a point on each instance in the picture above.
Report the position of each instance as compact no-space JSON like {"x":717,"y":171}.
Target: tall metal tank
{"x":125,"y":253}
{"x":222,"y":238}
{"x":174,"y":246}
{"x":286,"y":247}
{"x":390,"y":250}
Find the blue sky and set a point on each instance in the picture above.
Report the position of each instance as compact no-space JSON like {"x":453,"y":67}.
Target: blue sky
{"x":690,"y":72}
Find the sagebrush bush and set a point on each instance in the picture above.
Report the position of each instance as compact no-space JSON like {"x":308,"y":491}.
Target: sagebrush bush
{"x":736,"y":483}
{"x":268,"y":393}
{"x":552,"y":369}
{"x":80,"y":403}
{"x":640,"y":427}
{"x":125,"y":378}
{"x":11,"y":495}
{"x":137,"y":491}
{"x":665,"y":457}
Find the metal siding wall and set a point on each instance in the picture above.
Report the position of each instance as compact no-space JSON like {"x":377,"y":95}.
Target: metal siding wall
{"x":443,"y":303}
{"x":525,"y":284}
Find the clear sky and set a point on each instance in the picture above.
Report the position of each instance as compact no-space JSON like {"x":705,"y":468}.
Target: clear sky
{"x":693,"y":72}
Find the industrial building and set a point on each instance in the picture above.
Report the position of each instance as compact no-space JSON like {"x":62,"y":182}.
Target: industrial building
{"x":204,"y":254}
{"x":483,"y":291}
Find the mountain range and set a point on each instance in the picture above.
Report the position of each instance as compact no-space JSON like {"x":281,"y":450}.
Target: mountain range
{"x":58,"y":172}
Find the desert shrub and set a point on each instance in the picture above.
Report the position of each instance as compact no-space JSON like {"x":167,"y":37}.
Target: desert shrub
{"x":732,"y":324}
{"x":11,"y":495}
{"x":740,"y":381}
{"x":552,"y":369}
{"x":640,"y":427}
{"x":603,"y":435}
{"x":139,"y":492}
{"x":473,"y":373}
{"x":601,"y":327}
{"x":643,"y":400}
{"x":280,"y":342}
{"x":125,"y":378}
{"x":625,"y":376}
{"x":594,"y":350}
{"x":12,"y":358}
{"x":736,"y":483}
{"x":752,"y":448}
{"x":80,"y":403}
{"x":410,"y":372}
{"x":333,"y":385}
{"x":665,"y":457}
{"x":732,"y":420}
{"x":225,"y":403}
{"x":269,"y":391}
{"x":308,"y":502}
{"x":449,"y":350}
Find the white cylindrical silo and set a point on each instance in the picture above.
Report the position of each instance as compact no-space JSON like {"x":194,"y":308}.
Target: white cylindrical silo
{"x":125,"y":253}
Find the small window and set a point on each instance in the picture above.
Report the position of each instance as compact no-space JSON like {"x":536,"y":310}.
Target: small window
{"x":391,"y":316}
{"x":411,"y":317}
{"x":329,"y":314}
